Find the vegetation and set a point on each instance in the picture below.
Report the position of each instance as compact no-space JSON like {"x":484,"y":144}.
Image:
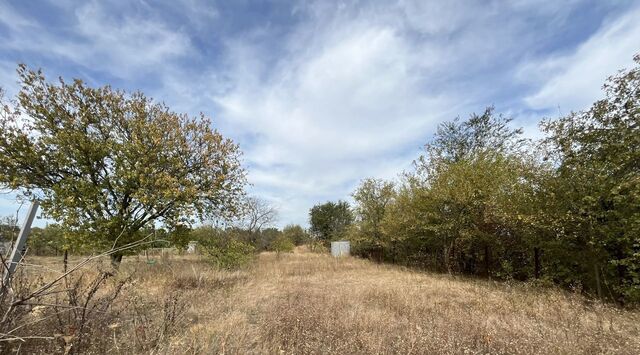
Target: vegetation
{"x":106,"y":164}
{"x":305,"y":303}
{"x":372,"y":198}
{"x":282,"y":244}
{"x":296,"y":234}
{"x":47,"y":241}
{"x":481,"y":201}
{"x":329,"y":221}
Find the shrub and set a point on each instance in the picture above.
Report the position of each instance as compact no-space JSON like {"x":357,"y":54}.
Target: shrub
{"x":296,"y":234}
{"x":282,"y":244}
{"x":318,"y":246}
{"x":226,"y":252}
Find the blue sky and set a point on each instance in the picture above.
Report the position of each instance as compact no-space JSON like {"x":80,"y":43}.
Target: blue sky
{"x":321,"y":94}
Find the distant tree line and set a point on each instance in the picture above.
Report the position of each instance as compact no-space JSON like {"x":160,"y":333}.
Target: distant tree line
{"x":482,"y":200}
{"x":226,"y":247}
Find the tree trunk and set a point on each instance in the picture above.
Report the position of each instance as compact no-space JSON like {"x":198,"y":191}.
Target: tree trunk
{"x":597,"y":276}
{"x":536,"y":262}
{"x":487,"y":260}
{"x":65,"y":260}
{"x":446,"y":259}
{"x":116,"y":259}
{"x":452,"y":256}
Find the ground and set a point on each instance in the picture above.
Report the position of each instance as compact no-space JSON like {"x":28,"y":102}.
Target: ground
{"x":312,"y":303}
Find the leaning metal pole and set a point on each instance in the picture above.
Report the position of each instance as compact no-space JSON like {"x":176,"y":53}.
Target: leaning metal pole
{"x":16,"y":254}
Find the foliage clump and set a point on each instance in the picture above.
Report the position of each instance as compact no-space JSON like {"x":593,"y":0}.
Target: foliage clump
{"x":282,"y":244}
{"x":296,"y":234}
{"x":224,"y":249}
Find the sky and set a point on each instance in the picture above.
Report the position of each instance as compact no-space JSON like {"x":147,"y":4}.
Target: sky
{"x":322,"y":94}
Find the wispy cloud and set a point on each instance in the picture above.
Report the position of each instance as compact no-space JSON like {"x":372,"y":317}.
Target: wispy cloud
{"x":573,"y":81}
{"x":93,"y":36}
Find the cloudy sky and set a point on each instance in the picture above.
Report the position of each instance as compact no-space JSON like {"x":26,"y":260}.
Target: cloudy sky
{"x":321,"y":94}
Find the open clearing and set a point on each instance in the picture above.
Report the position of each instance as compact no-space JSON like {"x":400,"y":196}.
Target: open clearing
{"x":312,"y":303}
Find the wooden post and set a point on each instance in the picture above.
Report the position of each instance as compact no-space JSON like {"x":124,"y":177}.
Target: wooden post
{"x":16,"y":254}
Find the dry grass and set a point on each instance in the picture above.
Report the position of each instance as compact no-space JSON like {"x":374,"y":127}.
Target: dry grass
{"x":311,"y":303}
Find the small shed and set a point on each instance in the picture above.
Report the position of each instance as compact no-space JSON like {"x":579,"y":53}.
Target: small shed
{"x":340,"y":248}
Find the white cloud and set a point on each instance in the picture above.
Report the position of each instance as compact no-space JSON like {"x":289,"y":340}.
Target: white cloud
{"x":128,"y":41}
{"x":12,"y":19}
{"x":574,"y":81}
{"x":340,"y":109}
{"x":119,"y":43}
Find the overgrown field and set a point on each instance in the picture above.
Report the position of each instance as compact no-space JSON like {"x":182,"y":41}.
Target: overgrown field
{"x":312,"y":303}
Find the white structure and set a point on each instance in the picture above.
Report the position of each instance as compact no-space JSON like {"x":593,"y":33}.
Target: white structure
{"x":340,"y":248}
{"x":191,"y":247}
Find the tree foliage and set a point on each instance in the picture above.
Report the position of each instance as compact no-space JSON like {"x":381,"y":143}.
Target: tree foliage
{"x":330,"y":220}
{"x":281,"y":244}
{"x":594,"y":206}
{"x":106,"y":164}
{"x":296,"y":234}
{"x":372,"y":198}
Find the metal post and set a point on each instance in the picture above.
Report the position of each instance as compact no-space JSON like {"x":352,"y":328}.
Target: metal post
{"x":16,"y":255}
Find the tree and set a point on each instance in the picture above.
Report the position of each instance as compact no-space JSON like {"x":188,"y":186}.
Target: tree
{"x":594,"y":207}
{"x":372,"y":198}
{"x":106,"y":164}
{"x":8,"y":229}
{"x":486,"y":134}
{"x":464,"y":207}
{"x":281,"y":244}
{"x":258,"y":213}
{"x":329,"y":221}
{"x":179,"y":236}
{"x":296,"y":234}
{"x":47,"y":241}
{"x":265,"y":237}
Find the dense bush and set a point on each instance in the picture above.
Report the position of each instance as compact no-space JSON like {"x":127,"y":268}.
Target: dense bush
{"x":282,"y":244}
{"x":225,"y":249}
{"x":296,"y":234}
{"x":227,"y":253}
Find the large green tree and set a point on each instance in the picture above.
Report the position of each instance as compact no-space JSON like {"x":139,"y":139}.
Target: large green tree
{"x":106,"y":163}
{"x":330,"y":220}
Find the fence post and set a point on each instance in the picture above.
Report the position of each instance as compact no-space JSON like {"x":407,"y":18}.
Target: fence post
{"x":16,"y":254}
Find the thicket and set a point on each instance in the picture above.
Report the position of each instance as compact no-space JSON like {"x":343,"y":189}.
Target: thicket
{"x":484,"y":201}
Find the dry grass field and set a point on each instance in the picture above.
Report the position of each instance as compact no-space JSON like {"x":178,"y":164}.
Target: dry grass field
{"x":307,"y":303}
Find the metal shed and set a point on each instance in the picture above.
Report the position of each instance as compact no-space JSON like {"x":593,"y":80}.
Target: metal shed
{"x":340,"y":248}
